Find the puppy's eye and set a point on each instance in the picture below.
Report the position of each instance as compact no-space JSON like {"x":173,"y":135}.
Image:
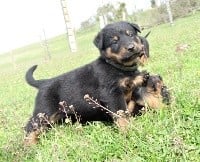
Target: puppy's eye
{"x":115,"y":40}
{"x":129,"y":33}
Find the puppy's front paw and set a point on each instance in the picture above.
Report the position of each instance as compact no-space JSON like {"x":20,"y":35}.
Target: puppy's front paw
{"x":126,"y":83}
{"x":141,"y":79}
{"x":31,"y":139}
{"x":123,"y":114}
{"x":146,"y":76}
{"x":122,"y":121}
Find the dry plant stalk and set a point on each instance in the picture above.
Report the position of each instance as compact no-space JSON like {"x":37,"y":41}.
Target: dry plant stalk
{"x":65,"y":108}
{"x":91,"y":101}
{"x":120,"y":118}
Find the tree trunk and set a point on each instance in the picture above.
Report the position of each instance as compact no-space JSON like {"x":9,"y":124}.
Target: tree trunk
{"x":169,"y":12}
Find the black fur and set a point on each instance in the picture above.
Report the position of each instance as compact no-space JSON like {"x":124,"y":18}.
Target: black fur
{"x":146,"y":44}
{"x":99,"y":79}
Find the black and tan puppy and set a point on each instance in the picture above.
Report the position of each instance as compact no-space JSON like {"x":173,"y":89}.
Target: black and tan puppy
{"x":145,"y":55}
{"x":120,"y":52}
{"x":152,"y":93}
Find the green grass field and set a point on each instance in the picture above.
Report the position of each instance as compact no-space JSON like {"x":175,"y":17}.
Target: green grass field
{"x":169,"y":134}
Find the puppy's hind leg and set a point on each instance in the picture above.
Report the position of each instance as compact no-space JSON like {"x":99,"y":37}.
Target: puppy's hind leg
{"x":45,"y":114}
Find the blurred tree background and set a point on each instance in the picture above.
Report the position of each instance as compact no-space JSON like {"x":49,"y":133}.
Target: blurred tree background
{"x":146,"y":18}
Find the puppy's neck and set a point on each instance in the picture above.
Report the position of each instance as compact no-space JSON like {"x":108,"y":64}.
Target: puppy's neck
{"x":122,"y":67}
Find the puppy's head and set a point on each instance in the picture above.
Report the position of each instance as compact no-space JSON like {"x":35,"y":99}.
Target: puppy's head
{"x":145,"y":52}
{"x":120,"y":43}
{"x":154,"y":84}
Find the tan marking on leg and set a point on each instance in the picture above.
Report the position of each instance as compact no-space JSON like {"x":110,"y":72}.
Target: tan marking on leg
{"x":138,"y":80}
{"x":122,"y":122}
{"x":131,"y":106}
{"x":32,"y":138}
{"x":127,"y":85}
{"x":54,"y":118}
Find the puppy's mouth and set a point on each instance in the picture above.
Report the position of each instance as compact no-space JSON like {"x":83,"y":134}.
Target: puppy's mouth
{"x":132,"y":56}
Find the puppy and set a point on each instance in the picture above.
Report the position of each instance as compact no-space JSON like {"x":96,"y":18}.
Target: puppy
{"x":152,"y":93}
{"x":120,"y":50}
{"x":145,"y":53}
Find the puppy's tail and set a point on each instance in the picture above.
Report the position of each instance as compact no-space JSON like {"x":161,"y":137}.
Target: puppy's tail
{"x":30,"y":80}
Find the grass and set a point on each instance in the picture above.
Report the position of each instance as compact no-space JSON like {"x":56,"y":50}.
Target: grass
{"x":170,"y":134}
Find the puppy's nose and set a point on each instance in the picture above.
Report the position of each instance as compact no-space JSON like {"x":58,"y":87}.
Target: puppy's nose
{"x":131,"y":47}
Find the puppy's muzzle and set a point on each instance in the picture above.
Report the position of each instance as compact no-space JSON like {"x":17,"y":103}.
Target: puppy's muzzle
{"x":131,"y":48}
{"x":132,"y":52}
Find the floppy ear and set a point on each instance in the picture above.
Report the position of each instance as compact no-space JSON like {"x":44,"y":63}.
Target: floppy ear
{"x":98,"y":40}
{"x":146,"y":45}
{"x":166,"y":95}
{"x":136,"y":27}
